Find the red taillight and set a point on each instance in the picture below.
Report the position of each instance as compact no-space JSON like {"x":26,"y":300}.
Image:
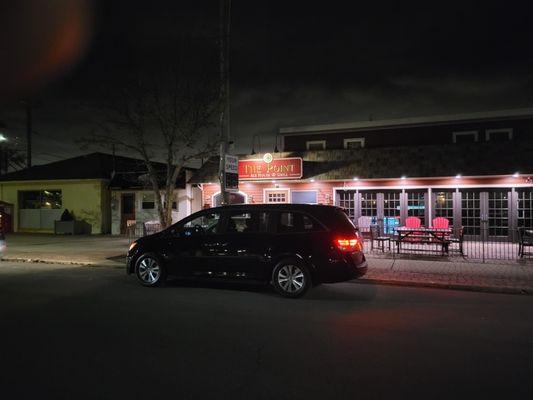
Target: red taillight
{"x":348,"y":244}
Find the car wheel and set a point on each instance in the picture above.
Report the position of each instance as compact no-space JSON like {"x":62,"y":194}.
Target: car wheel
{"x":150,"y":271}
{"x":291,"y":279}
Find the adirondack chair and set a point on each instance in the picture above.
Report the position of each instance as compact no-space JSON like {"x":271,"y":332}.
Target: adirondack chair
{"x":441,"y":223}
{"x":412,"y":222}
{"x":364,"y":223}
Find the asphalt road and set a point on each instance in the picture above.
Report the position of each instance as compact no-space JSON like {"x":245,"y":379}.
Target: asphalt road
{"x":92,"y":332}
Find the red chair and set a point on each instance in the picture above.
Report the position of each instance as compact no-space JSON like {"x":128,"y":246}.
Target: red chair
{"x":412,"y":222}
{"x":441,"y":223}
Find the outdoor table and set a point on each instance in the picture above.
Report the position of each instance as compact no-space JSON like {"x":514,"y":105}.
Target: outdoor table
{"x":424,"y":235}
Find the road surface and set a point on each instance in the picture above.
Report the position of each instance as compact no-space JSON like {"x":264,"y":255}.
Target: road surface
{"x":93,"y":332}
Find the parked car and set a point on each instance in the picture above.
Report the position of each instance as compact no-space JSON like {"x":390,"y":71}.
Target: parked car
{"x":290,"y":246}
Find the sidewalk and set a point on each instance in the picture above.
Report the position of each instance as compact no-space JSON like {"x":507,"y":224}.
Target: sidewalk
{"x":101,"y":250}
{"x":502,"y":278}
{"x":105,"y":250}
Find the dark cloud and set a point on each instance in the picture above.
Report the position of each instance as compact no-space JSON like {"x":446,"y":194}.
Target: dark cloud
{"x":305,"y":62}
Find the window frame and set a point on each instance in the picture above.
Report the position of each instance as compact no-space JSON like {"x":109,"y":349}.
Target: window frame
{"x":353,"y":140}
{"x":303,"y":190}
{"x":41,"y":196}
{"x":172,"y":230}
{"x":227,"y":214}
{"x":465,"y":133}
{"x":276,"y":219}
{"x":142,"y":201}
{"x":311,"y":142}
{"x":509,"y":132}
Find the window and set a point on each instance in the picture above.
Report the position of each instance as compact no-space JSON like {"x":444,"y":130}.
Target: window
{"x":304,"y":196}
{"x":276,"y":196}
{"x":354,"y":143}
{"x":205,"y":224}
{"x":416,"y":206}
{"x":250,"y":222}
{"x":443,"y":205}
{"x":465,"y":137}
{"x":148,"y":201}
{"x":369,"y":204}
{"x":234,"y":198}
{"x":291,"y":222}
{"x":316,"y":145}
{"x":346,"y":200}
{"x":40,"y":199}
{"x":499,"y":135}
{"x":471,"y":213}
{"x":525,"y":208}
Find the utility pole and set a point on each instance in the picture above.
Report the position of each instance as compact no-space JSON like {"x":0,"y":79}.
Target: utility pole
{"x":28,"y":134}
{"x":28,"y":105}
{"x":224,"y":31}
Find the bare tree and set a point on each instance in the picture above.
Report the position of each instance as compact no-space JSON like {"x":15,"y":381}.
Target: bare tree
{"x":165,"y":118}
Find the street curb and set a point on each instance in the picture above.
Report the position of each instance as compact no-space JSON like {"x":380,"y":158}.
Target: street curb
{"x":59,"y":262}
{"x":448,"y":286}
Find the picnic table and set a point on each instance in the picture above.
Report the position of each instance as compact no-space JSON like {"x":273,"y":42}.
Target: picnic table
{"x":438,"y":236}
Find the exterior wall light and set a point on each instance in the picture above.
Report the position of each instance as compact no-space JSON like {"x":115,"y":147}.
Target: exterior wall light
{"x":458,"y":176}
{"x":312,"y":180}
{"x":403,"y":177}
{"x":516,"y":175}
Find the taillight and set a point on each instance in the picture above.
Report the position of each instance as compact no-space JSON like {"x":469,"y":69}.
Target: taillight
{"x":348,"y":244}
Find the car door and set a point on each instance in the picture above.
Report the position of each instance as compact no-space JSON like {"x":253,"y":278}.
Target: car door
{"x":187,"y":251}
{"x":243,"y":246}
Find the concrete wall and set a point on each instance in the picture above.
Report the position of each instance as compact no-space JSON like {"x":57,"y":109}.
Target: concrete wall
{"x":85,"y":198}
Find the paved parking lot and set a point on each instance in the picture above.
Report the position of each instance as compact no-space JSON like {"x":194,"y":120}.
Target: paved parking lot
{"x":92,"y":332}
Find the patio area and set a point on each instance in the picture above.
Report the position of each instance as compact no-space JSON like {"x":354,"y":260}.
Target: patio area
{"x":476,"y":251}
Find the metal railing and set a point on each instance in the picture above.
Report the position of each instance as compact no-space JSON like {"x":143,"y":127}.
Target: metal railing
{"x":481,"y":247}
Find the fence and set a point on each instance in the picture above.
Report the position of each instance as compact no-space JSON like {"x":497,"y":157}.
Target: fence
{"x":139,"y":229}
{"x":517,"y":245}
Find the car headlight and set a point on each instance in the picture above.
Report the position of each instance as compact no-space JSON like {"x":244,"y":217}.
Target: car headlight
{"x":132,"y":246}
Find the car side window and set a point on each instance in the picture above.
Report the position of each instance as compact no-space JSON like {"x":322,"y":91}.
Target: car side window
{"x":294,"y":222}
{"x":247,"y":222}
{"x":205,"y":224}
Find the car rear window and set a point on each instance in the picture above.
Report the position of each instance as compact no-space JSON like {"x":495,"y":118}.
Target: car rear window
{"x":337,"y":219}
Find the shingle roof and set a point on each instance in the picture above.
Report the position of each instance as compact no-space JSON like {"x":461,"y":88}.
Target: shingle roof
{"x":490,"y":158}
{"x":128,"y":171}
{"x":497,"y":115}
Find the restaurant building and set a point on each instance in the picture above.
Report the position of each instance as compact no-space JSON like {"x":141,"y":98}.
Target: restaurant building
{"x":473,"y":169}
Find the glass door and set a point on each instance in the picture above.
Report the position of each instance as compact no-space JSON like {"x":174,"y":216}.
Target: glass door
{"x":471,"y":213}
{"x":347,"y":199}
{"x":416,"y":205}
{"x":497,"y":214}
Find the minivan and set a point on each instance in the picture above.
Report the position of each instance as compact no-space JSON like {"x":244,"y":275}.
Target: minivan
{"x":292,"y":247}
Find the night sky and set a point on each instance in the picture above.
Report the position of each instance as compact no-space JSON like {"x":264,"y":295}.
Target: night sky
{"x":292,"y":62}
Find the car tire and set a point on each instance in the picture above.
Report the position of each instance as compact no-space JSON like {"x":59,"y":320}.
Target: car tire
{"x":150,"y":271}
{"x":291,"y":278}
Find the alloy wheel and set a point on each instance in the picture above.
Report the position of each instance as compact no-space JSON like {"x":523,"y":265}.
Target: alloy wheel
{"x":149,"y":270}
{"x":291,"y":278}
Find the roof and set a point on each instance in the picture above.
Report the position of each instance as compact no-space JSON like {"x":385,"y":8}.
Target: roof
{"x":498,"y":115}
{"x":90,"y":166}
{"x":476,"y":159}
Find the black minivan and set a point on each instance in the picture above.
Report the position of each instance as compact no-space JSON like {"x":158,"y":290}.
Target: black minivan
{"x":290,"y":246}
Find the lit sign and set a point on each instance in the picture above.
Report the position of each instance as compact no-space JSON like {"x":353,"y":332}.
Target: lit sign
{"x":278,"y":168}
